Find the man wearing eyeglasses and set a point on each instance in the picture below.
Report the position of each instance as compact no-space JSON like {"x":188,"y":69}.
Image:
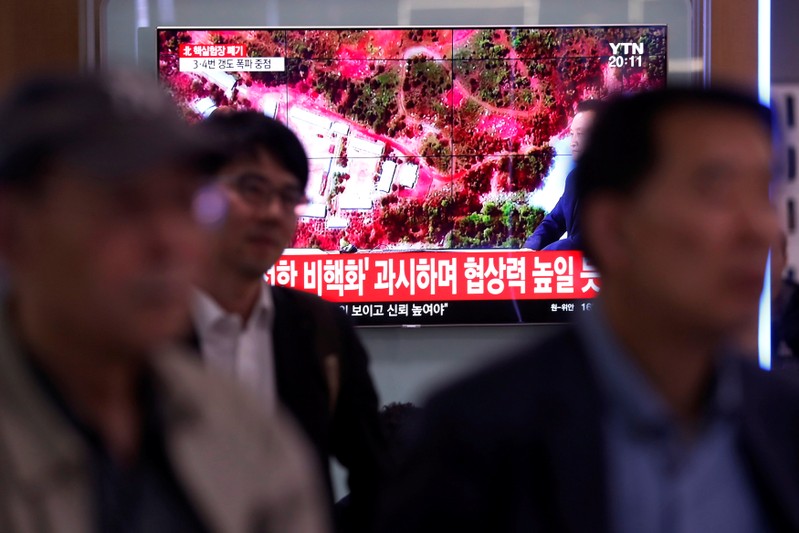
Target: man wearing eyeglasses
{"x":286,"y":346}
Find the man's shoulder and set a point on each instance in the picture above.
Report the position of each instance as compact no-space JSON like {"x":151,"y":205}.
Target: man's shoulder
{"x":237,"y":459}
{"x":286,"y":296}
{"x":774,"y":393}
{"x":308,"y":310}
{"x":525,"y":384}
{"x":770,"y":431}
{"x":191,"y":391}
{"x":539,"y":361}
{"x":288,"y":293}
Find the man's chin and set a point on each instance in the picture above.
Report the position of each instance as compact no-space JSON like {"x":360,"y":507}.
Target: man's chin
{"x":255,"y":271}
{"x":156,"y":331}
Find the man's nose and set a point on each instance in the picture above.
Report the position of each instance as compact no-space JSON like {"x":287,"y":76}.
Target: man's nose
{"x":168,"y":231}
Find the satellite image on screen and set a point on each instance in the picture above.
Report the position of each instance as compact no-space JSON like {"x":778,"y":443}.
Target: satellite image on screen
{"x":419,"y":138}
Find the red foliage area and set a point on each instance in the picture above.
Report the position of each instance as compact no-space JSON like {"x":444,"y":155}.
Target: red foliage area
{"x":478,"y":179}
{"x":525,"y":172}
{"x":363,"y":233}
{"x":313,"y":234}
{"x":521,"y":93}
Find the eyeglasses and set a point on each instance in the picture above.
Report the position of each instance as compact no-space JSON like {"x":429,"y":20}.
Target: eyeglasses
{"x":256,"y":191}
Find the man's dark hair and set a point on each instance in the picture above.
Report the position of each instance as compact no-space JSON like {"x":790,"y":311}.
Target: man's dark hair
{"x":246,"y":133}
{"x":622,"y":146}
{"x":111,"y":125}
{"x":589,"y":105}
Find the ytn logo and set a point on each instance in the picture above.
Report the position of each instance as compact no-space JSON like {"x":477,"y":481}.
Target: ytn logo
{"x":627,"y":48}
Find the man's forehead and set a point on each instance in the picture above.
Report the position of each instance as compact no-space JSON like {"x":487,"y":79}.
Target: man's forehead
{"x":697,"y":130}
{"x":694,"y":146}
{"x":263,"y":164}
{"x":688,"y":116}
{"x":156,"y":178}
{"x":583,"y":119}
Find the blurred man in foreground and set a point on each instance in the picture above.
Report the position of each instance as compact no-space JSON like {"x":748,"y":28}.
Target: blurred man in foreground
{"x":637,"y":418}
{"x":288,"y":347}
{"x":102,"y":427}
{"x":564,"y":217}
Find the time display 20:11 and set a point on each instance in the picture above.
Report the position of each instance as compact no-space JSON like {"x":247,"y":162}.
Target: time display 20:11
{"x":621,"y":61}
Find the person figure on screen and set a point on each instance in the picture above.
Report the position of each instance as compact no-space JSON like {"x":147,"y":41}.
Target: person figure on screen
{"x":784,"y":310}
{"x":638,"y":417}
{"x":288,"y":347}
{"x":105,"y":426}
{"x":564,"y":218}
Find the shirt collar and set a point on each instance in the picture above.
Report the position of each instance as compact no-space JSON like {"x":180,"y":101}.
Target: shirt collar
{"x":206,"y":312}
{"x":631,"y":395}
{"x":152,"y":417}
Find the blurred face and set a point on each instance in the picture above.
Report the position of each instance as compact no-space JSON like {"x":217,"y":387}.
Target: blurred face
{"x":262,"y":198}
{"x":108,"y":263}
{"x":579,"y":129}
{"x":693,"y":242}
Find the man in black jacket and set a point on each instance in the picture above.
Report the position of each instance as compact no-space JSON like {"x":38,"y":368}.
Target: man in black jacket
{"x":638,"y":418}
{"x":564,"y":216}
{"x":284,"y":345}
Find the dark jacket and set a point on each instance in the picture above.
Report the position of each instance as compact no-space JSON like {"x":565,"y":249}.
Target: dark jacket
{"x":307,"y":328}
{"x":519,"y":448}
{"x":562,"y":218}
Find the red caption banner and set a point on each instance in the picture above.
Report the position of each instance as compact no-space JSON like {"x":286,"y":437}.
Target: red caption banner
{"x":212,"y":50}
{"x":439,"y":276}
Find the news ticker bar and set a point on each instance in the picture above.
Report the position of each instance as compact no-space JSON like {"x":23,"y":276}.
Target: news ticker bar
{"x":444,"y":276}
{"x":465,"y":312}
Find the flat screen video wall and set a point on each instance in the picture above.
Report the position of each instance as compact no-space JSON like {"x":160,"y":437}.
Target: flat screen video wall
{"x":435,"y":152}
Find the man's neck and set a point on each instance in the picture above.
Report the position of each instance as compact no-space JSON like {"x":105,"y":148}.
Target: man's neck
{"x":99,"y":384}
{"x":677,"y":362}
{"x":235,"y":294}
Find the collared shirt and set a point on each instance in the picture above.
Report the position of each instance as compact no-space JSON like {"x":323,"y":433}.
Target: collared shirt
{"x":244,"y":351}
{"x":662,"y":480}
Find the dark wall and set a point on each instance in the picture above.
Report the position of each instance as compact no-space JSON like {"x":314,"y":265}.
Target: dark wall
{"x":38,"y":35}
{"x":784,"y":43}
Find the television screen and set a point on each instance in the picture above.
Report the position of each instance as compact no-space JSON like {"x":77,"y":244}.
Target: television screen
{"x":434,"y":154}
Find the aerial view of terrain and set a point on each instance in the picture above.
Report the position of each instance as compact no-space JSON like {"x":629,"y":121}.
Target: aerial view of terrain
{"x":419,"y":138}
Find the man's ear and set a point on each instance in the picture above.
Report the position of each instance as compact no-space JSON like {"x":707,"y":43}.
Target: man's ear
{"x":605,"y":233}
